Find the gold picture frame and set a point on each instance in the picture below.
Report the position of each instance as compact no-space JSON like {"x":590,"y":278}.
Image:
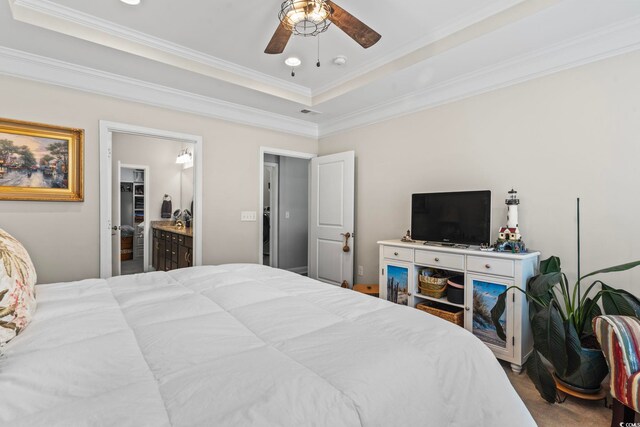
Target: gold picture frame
{"x":41,"y":162}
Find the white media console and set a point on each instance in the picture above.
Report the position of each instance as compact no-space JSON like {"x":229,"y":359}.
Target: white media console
{"x":486,"y":274}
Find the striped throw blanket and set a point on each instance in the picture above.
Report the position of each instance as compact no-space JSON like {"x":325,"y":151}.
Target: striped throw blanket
{"x":619,"y":337}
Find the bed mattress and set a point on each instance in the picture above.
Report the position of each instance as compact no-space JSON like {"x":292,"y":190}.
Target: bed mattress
{"x":239,"y":344}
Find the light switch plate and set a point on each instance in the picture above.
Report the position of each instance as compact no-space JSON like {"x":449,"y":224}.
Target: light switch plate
{"x":248,"y":216}
{"x":360,"y":270}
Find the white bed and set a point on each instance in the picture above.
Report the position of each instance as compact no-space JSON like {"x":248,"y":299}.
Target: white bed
{"x":237,"y":345}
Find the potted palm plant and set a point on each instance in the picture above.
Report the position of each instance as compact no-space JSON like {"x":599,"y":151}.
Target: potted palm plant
{"x":561,"y":325}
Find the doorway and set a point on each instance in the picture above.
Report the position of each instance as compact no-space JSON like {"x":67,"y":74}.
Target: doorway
{"x":131,"y":254}
{"x":284,"y":202}
{"x":329,"y":203}
{"x":109,"y":217}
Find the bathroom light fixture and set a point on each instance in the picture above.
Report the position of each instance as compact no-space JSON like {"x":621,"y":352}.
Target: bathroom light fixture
{"x":185,"y":156}
{"x":131,"y":2}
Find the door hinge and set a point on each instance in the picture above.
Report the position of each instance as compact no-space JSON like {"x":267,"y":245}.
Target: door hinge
{"x":382,"y":271}
{"x":109,"y":152}
{"x":513,"y":340}
{"x":513,"y":297}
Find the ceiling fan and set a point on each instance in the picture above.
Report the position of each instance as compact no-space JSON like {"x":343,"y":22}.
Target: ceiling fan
{"x":312,"y":17}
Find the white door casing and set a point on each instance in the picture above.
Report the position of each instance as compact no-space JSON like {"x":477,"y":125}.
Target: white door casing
{"x":331,"y":218}
{"x":107,"y":129}
{"x":273,"y":216}
{"x":261,"y":163}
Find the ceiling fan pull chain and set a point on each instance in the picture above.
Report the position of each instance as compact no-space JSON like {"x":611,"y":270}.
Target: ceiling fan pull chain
{"x":318,"y":63}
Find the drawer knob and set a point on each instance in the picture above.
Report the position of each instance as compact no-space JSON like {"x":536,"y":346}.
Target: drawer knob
{"x":467,"y":308}
{"x":487,"y":266}
{"x":395,"y":253}
{"x":436,"y":259}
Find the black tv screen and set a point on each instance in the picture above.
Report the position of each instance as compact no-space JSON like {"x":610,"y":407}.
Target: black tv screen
{"x":462,"y":217}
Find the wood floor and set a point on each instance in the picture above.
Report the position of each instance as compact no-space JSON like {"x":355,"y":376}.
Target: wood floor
{"x":573,"y":412}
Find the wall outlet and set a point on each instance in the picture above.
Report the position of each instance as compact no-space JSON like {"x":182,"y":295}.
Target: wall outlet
{"x":360,"y":270}
{"x":286,"y":215}
{"x":248,"y":216}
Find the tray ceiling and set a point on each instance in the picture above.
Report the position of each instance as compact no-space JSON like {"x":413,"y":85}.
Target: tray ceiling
{"x":214,"y":49}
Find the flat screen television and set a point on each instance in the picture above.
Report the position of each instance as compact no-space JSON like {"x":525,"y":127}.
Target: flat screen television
{"x":462,"y":217}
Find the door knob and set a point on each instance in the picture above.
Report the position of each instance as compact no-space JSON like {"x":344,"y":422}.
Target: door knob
{"x":346,"y":247}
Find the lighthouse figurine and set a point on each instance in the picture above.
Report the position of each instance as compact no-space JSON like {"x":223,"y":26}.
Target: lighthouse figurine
{"x":509,"y":238}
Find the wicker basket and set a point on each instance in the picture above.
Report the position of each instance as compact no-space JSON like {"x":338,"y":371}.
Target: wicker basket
{"x":435,"y":287}
{"x":433,"y":280}
{"x":450,"y":314}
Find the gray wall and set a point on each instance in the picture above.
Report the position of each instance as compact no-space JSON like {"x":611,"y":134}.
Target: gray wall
{"x":571,"y":134}
{"x":293,"y":198}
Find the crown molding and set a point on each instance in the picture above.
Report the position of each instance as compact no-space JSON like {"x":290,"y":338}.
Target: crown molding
{"x":34,"y":67}
{"x":66,"y":20}
{"x":610,"y":41}
{"x":607,"y":42}
{"x":62,"y":19}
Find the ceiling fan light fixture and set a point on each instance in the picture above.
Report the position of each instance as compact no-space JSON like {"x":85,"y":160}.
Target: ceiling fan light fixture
{"x":131,"y":2}
{"x":305,"y":17}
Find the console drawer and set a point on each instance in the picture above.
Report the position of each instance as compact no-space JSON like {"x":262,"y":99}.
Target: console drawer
{"x":500,"y":267}
{"x":401,"y":254}
{"x":440,"y":260}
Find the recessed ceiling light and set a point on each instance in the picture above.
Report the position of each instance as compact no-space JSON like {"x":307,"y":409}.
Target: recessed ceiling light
{"x":340,"y":60}
{"x":131,"y":2}
{"x":293,"y":61}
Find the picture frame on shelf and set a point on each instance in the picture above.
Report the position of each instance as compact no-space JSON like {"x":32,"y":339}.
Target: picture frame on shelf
{"x":41,"y":162}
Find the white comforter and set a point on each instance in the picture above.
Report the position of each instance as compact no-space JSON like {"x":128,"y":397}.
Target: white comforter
{"x":237,"y":345}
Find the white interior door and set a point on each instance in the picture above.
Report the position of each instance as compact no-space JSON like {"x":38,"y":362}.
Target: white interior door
{"x":331,"y":218}
{"x":115,"y":222}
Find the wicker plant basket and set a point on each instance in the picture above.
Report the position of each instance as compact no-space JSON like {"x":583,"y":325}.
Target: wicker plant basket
{"x":450,"y":314}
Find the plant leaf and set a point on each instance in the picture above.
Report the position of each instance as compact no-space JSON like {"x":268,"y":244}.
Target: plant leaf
{"x":496,"y":314}
{"x":591,"y":311}
{"x":621,"y":267}
{"x":540,"y":285}
{"x":549,"y":336}
{"x":573,"y":347}
{"x":550,"y":265}
{"x":541,"y":378}
{"x":619,"y":302}
{"x":3,"y":293}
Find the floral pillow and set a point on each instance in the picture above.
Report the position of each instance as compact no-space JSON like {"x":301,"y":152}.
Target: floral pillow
{"x":17,"y":287}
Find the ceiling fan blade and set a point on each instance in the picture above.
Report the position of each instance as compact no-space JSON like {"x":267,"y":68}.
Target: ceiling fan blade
{"x":279,"y":40}
{"x":353,"y":27}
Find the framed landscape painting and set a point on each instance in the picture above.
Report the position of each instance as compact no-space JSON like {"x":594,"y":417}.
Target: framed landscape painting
{"x":41,"y":162}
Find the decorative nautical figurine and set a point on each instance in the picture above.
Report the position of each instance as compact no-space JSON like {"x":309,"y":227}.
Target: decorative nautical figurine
{"x":407,"y":237}
{"x":509,"y":238}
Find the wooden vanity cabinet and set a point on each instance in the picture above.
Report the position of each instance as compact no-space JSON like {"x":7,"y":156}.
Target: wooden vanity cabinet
{"x":171,"y":250}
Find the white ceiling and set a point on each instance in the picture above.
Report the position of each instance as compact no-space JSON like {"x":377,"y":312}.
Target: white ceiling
{"x":210,"y":53}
